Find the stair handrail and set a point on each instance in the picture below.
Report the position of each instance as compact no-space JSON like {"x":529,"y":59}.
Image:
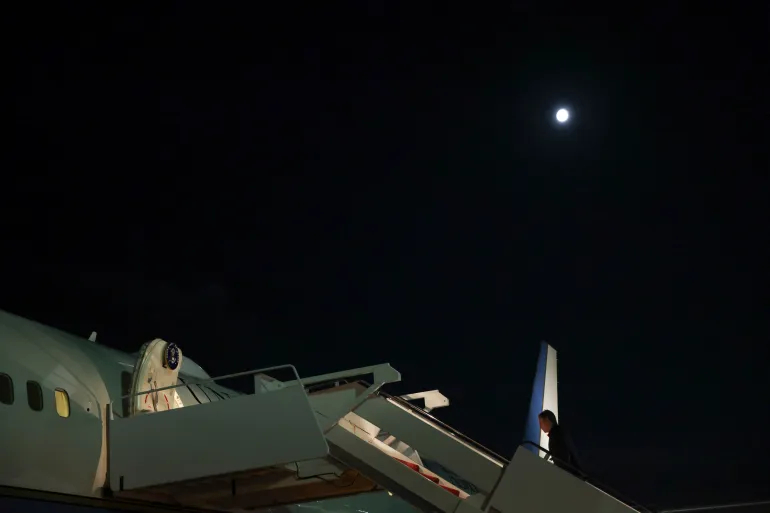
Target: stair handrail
{"x":227,"y":376}
{"x":591,"y":480}
{"x":470,"y":441}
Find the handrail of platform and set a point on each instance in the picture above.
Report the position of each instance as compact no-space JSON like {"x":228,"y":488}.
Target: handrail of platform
{"x":573,"y":469}
{"x":457,"y":434}
{"x":592,"y":481}
{"x":383,"y":373}
{"x":706,"y":509}
{"x":227,"y":376}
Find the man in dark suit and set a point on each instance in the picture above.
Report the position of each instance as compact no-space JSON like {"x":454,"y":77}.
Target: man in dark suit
{"x":559,"y":443}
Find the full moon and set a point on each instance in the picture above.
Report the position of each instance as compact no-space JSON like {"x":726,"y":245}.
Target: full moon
{"x":562,"y":115}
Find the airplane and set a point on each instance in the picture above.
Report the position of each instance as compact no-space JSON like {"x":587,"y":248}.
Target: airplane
{"x":84,"y":424}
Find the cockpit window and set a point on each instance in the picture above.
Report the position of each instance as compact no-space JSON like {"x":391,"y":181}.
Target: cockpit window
{"x":6,"y":389}
{"x":34,"y":395}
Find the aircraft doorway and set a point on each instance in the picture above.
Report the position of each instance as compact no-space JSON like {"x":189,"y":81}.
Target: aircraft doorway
{"x":157,"y":367}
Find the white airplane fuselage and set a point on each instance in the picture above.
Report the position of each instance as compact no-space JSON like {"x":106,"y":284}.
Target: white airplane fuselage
{"x":41,"y":449}
{"x":62,"y":398}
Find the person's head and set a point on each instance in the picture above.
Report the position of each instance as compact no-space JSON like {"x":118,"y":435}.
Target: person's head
{"x":547,"y":420}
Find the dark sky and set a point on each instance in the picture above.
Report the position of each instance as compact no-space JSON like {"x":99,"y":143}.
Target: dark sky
{"x":336,"y":187}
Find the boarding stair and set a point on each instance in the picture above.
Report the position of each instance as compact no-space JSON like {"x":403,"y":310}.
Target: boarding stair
{"x":296,"y":440}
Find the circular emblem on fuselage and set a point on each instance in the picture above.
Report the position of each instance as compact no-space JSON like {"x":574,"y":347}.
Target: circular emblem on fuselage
{"x":171,"y":356}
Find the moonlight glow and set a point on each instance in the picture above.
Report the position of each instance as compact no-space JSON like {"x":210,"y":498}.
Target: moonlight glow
{"x":562,"y":115}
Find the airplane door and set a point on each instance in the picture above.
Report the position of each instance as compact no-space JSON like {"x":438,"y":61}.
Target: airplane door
{"x":157,"y":367}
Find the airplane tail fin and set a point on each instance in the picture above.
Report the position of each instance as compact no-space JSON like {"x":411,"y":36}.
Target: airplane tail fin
{"x":544,"y":397}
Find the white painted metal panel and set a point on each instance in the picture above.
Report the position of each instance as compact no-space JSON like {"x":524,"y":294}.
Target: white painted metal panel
{"x":40,"y":449}
{"x":328,"y":404}
{"x":246,"y":432}
{"x":433,"y":442}
{"x":531,"y":484}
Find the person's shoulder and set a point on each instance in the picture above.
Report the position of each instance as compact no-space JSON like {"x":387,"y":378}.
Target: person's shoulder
{"x":564,"y":432}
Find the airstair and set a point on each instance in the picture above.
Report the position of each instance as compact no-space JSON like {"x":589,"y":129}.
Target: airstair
{"x":299,"y":440}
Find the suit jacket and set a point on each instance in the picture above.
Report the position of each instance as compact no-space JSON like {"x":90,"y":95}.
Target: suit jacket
{"x":561,"y":448}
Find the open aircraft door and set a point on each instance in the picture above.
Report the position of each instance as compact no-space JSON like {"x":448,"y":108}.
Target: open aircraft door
{"x":157,"y":367}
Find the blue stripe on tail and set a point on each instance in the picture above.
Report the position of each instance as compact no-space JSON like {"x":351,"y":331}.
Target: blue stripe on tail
{"x":532,"y":427}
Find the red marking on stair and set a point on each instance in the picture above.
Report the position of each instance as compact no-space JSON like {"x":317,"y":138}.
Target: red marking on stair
{"x":409,"y":464}
{"x":451,"y":490}
{"x":432,"y":478}
{"x":419,"y":470}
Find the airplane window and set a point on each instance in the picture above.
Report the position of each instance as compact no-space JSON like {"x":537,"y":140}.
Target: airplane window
{"x":34,"y":395}
{"x":62,"y":402}
{"x":6,"y":389}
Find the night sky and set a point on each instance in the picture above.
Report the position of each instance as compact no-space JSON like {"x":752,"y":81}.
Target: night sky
{"x":337,"y":187}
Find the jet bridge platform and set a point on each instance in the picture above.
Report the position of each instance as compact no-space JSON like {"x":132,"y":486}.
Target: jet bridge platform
{"x":327,"y":436}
